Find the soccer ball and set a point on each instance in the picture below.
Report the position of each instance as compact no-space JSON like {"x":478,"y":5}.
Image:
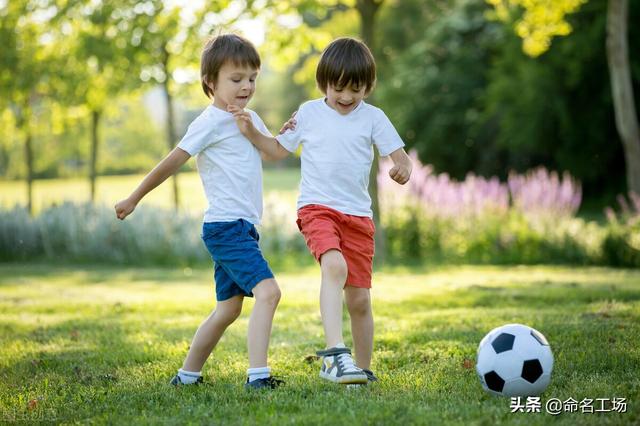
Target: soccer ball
{"x":514,"y":360}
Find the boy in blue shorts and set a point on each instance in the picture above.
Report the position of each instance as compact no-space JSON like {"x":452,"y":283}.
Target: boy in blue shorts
{"x":230,"y":168}
{"x":337,"y":133}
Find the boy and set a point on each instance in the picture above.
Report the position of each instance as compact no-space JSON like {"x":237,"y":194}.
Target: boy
{"x":231,"y":172}
{"x":337,"y":133}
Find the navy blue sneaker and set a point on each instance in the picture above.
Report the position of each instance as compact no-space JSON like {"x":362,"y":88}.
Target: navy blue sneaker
{"x":177,"y":382}
{"x":370,"y":376}
{"x":266,"y":383}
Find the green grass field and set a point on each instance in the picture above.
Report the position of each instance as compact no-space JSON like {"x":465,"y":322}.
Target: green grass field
{"x":110,"y":189}
{"x":98,"y":345}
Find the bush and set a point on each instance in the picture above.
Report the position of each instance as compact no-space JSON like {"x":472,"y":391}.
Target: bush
{"x":88,"y":233}
{"x":621,"y":245}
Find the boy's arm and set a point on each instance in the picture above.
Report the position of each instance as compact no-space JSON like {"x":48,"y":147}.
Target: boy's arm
{"x":165,"y":168}
{"x":402,"y":166}
{"x":266,"y":144}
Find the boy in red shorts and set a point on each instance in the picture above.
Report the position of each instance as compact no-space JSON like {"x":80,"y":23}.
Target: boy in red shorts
{"x":337,"y":133}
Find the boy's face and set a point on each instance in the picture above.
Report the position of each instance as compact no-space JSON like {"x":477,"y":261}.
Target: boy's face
{"x":235,"y":85}
{"x":345,"y":99}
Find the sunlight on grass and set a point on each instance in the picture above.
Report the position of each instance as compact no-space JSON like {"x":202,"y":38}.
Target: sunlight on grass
{"x":110,"y":189}
{"x":88,"y":342}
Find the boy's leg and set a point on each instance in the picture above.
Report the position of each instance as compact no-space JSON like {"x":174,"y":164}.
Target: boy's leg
{"x":267,"y":294}
{"x":210,"y":331}
{"x":334,"y":274}
{"x":359,"y":306}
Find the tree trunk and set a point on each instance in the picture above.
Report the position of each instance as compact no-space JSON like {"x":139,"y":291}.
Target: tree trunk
{"x":622,"y":89}
{"x":367,"y":10}
{"x":171,"y":134}
{"x":95,"y":122}
{"x":28,"y":155}
{"x":23,"y":120}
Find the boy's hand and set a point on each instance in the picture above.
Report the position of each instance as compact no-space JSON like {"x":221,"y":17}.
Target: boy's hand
{"x":400,"y":173}
{"x":124,"y":208}
{"x":243,"y":119}
{"x":290,"y":124}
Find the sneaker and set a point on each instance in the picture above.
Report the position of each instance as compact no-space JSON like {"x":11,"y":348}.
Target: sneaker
{"x":266,"y":383}
{"x":176,"y":381}
{"x":370,"y":376}
{"x":338,"y":367}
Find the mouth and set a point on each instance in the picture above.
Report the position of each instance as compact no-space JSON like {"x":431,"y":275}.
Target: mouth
{"x":344,"y":105}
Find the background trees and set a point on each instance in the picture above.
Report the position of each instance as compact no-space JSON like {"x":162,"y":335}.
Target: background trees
{"x":454,"y":79}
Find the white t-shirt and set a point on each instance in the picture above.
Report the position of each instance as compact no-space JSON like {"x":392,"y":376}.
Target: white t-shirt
{"x":230,"y":167}
{"x":337,"y":152}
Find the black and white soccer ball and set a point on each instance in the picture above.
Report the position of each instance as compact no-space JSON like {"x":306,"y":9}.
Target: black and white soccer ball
{"x":514,"y":360}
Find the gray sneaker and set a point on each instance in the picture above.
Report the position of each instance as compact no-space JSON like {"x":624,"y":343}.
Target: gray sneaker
{"x":338,"y":367}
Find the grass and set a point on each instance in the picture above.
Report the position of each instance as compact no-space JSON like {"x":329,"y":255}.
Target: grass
{"x":98,"y":345}
{"x":110,"y":189}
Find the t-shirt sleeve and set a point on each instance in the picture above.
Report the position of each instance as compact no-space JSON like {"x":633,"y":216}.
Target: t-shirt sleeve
{"x":291,"y":139}
{"x":385,"y":136}
{"x":200,"y":134}
{"x":259,"y":124}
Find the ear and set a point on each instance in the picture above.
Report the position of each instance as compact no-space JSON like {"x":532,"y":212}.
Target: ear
{"x":210,"y":85}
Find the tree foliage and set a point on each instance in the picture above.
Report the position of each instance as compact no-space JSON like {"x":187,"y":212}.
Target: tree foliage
{"x":468,"y":99}
{"x":540,"y":22}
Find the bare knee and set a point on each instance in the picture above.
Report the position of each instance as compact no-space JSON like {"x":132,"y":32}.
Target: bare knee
{"x":228,"y":314}
{"x":359,"y":304}
{"x":334,"y":266}
{"x":267,"y":292}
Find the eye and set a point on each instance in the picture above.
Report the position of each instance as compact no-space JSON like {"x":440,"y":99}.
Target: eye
{"x":252,"y":80}
{"x":338,"y":90}
{"x":235,"y":80}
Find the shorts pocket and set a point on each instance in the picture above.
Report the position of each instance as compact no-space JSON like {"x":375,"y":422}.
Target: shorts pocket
{"x":221,"y":229}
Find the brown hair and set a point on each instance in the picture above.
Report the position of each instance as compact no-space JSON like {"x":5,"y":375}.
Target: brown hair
{"x":223,"y":48}
{"x":346,"y":61}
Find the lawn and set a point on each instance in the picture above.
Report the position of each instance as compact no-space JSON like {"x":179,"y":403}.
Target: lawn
{"x":99,"y":344}
{"x":280,"y":182}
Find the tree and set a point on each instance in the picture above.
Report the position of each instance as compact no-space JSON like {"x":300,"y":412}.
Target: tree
{"x":25,"y":66}
{"x":368,"y":10}
{"x":544,"y":19}
{"x":104,"y":60}
{"x":622,"y":89}
{"x":171,"y":41}
{"x":436,"y":68}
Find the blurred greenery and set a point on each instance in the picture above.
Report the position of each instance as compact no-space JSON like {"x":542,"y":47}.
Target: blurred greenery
{"x":454,"y":80}
{"x":468,"y":99}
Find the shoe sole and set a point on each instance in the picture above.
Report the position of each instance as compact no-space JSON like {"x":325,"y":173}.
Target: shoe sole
{"x":345,"y":380}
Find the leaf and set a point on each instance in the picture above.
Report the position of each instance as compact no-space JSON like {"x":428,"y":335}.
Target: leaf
{"x":468,"y":364}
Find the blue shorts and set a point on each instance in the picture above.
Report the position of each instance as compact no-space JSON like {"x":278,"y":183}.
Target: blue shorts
{"x":239,"y":264}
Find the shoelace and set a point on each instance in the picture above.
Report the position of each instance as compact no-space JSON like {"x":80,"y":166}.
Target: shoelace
{"x":346,"y":362}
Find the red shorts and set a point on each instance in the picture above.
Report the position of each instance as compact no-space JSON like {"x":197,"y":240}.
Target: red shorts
{"x":325,"y":229}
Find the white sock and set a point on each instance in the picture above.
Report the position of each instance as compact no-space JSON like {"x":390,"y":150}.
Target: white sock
{"x":188,"y":377}
{"x":340,"y":345}
{"x":258,"y":373}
